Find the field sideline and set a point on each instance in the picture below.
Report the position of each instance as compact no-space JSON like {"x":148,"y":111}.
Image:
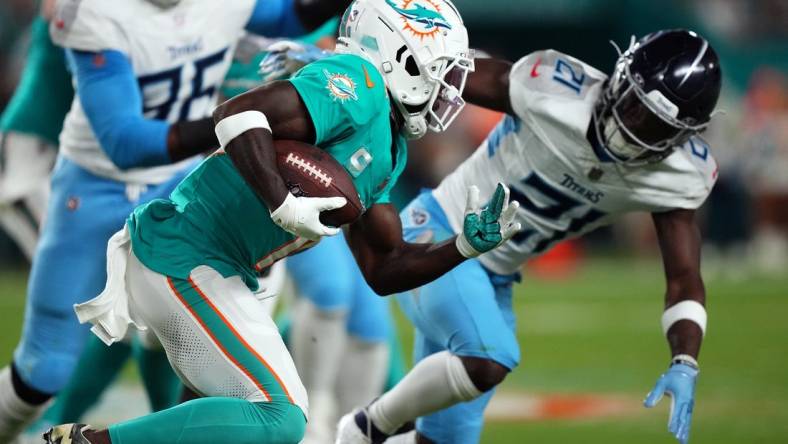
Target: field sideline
{"x":596,"y":336}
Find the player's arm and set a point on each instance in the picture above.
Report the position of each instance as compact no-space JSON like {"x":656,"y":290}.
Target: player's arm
{"x":684,"y":318}
{"x":391,"y":265}
{"x":680,"y":243}
{"x":245,"y":126}
{"x":291,"y":18}
{"x":110,"y":96}
{"x":488,"y":85}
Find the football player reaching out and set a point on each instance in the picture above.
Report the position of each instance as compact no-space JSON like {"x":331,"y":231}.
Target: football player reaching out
{"x":145,"y":72}
{"x":578,"y":149}
{"x":186,"y":267}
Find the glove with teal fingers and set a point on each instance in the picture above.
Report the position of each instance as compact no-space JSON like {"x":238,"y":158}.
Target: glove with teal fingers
{"x":486,"y":229}
{"x":679,"y":383}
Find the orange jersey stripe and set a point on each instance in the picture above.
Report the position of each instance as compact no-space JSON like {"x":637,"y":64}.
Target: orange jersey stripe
{"x":224,"y":351}
{"x":242,"y":340}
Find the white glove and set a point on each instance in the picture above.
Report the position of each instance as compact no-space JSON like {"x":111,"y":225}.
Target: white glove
{"x":286,"y":57}
{"x":301,"y":215}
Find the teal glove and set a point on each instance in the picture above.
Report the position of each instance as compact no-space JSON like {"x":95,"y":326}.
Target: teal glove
{"x":484,"y":230}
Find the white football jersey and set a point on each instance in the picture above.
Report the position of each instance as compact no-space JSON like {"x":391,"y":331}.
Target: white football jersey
{"x":180,"y":56}
{"x":564,"y":187}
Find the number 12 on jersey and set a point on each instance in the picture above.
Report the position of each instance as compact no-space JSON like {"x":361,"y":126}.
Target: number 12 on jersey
{"x":566,"y":75}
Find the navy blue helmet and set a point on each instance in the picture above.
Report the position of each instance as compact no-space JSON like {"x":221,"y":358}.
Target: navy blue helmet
{"x":662,"y":92}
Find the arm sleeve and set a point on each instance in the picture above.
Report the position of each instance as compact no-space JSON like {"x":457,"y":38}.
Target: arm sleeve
{"x":275,"y":18}
{"x":111,"y":99}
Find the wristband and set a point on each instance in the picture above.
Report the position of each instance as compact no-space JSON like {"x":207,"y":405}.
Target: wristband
{"x":233,"y":126}
{"x":686,"y":360}
{"x":689,"y":310}
{"x":465,"y":248}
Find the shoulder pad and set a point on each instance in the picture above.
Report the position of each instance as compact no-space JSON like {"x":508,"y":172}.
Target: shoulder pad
{"x":550,"y":73}
{"x":87,"y":25}
{"x":689,"y":174}
{"x":352,"y":81}
{"x":700,"y":156}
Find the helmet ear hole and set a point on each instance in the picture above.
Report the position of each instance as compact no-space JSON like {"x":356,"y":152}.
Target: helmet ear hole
{"x":411,"y":67}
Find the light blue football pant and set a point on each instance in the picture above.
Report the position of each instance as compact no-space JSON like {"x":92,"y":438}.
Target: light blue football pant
{"x":467,"y":311}
{"x":69,"y":267}
{"x":327,"y":274}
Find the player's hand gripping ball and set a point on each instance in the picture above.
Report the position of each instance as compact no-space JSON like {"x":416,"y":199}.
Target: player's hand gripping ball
{"x":322,"y":195}
{"x":484,"y":230}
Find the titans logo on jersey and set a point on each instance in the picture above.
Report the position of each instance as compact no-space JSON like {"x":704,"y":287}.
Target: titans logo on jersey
{"x":564,"y":188}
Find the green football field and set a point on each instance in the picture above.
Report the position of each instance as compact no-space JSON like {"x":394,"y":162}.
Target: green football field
{"x":596,"y":335}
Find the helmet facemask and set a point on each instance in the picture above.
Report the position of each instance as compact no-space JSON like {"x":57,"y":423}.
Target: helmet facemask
{"x":636,"y":126}
{"x":432,"y":97}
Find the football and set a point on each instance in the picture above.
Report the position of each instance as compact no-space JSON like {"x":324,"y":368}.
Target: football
{"x":311,"y":172}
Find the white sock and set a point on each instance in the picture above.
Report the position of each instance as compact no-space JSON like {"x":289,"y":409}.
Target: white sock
{"x":15,"y":413}
{"x":362,"y":374}
{"x":436,"y":382}
{"x":318,"y":341}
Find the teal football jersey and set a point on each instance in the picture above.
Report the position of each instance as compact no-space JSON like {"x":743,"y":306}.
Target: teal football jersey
{"x":214,"y":218}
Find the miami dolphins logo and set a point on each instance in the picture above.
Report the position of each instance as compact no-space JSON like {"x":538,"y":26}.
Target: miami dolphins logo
{"x":422,"y":17}
{"x":340,"y":86}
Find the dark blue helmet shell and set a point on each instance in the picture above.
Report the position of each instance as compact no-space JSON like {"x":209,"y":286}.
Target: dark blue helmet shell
{"x":684,"y":68}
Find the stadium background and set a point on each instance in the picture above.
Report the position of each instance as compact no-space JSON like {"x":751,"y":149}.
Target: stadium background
{"x":588,"y":313}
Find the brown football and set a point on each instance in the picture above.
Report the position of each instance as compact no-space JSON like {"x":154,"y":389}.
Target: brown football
{"x":309,"y":171}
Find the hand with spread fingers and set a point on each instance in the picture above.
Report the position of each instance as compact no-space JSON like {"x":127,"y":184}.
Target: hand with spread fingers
{"x":679,"y":383}
{"x":286,"y":57}
{"x":486,"y":229}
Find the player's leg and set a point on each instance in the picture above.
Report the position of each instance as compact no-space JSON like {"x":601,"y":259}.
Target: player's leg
{"x":223,"y":346}
{"x":98,"y":367}
{"x":364,"y":364}
{"x":161,"y":384}
{"x":324,"y":280}
{"x":68,"y":268}
{"x":465,"y":325}
{"x":487,"y":357}
{"x":25,"y":165}
{"x":459,"y":312}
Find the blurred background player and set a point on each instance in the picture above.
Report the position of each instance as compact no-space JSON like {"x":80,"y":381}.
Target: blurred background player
{"x":29,"y":127}
{"x":146,"y":74}
{"x":195,"y":257}
{"x":578,"y":149}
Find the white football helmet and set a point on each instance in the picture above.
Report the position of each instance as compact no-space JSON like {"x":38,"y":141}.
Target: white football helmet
{"x":421,"y":49}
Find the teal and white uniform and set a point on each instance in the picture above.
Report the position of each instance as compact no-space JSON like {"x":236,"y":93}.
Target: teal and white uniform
{"x":29,"y":127}
{"x":196,"y":255}
{"x":214,"y":218}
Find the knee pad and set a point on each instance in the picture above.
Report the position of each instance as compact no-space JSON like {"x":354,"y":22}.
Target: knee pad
{"x":45,"y":372}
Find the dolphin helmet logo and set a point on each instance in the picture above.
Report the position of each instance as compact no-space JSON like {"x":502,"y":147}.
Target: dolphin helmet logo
{"x":422,"y":17}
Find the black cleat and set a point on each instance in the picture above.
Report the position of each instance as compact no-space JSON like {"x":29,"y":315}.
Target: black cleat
{"x":67,"y":434}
